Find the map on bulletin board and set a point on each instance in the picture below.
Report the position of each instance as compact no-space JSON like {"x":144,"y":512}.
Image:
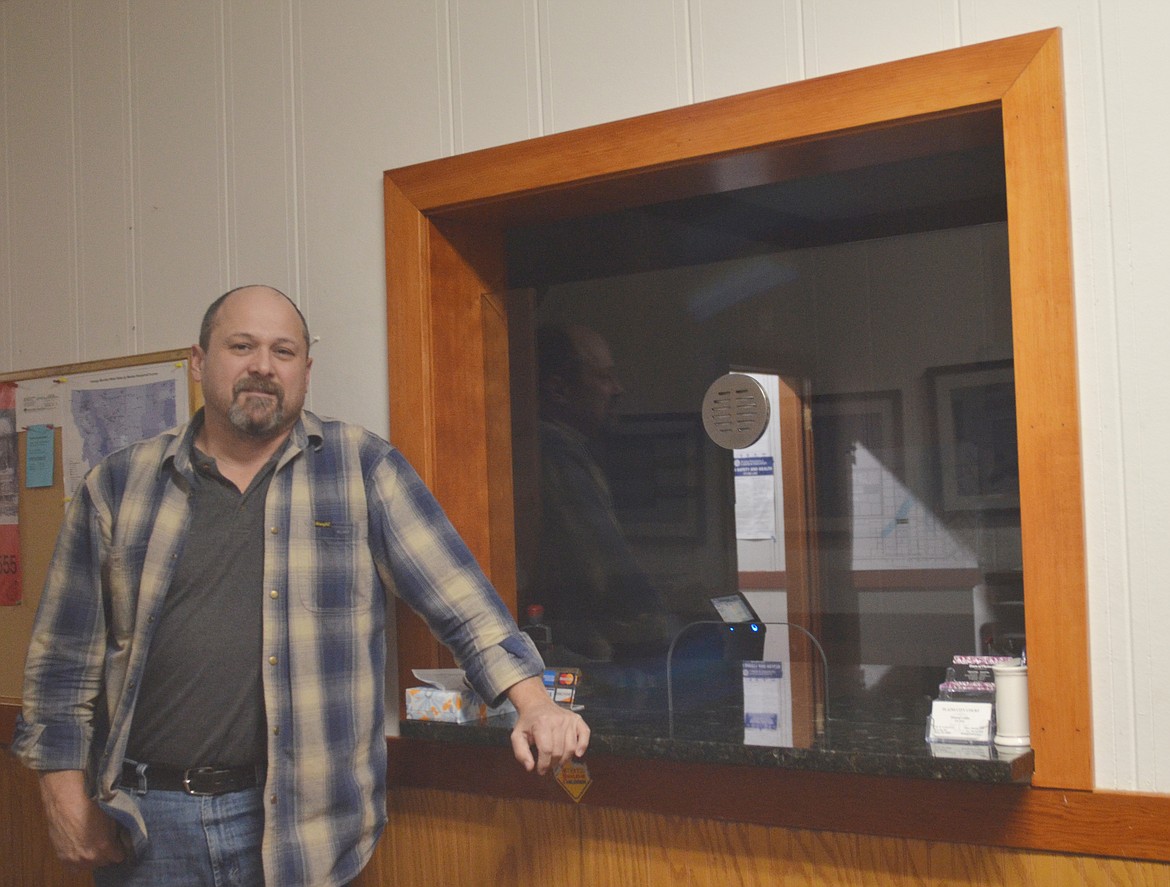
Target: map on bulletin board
{"x":100,"y":412}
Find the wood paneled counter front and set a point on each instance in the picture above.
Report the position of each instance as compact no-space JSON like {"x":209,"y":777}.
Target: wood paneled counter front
{"x":637,"y":823}
{"x":884,"y":788}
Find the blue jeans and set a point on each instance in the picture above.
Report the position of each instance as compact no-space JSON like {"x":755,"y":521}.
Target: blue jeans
{"x":195,"y":842}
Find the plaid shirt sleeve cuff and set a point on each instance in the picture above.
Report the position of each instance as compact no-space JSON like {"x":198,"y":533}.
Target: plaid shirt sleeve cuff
{"x":50,"y":746}
{"x":502,"y":665}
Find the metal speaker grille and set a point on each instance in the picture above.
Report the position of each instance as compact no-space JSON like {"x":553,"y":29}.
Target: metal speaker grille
{"x":735,"y":411}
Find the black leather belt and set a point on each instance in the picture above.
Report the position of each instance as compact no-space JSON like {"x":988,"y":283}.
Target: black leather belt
{"x":200,"y":781}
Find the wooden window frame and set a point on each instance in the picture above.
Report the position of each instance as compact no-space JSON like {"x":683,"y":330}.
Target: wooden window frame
{"x":445,"y":226}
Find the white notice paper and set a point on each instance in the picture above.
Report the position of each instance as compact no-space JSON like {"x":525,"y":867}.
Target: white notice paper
{"x":767,"y":704}
{"x":755,"y":496}
{"x":40,"y":402}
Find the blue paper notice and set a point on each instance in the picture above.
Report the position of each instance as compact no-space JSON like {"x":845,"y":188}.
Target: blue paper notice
{"x":754,"y":466}
{"x":38,"y":462}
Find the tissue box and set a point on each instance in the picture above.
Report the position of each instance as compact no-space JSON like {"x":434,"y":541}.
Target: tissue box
{"x":444,"y":696}
{"x":438,"y":704}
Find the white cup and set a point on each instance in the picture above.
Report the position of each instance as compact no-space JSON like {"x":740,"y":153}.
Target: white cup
{"x":1011,"y":705}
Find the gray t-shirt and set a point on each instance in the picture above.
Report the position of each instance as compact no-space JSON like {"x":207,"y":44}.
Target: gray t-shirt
{"x":201,"y":703}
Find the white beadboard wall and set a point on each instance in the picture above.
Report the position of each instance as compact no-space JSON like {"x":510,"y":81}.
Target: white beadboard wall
{"x":156,"y":153}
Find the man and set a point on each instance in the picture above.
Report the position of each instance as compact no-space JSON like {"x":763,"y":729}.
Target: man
{"x":597,"y":598}
{"x":204,"y":687}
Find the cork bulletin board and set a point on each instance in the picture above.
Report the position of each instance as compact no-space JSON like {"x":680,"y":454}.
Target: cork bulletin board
{"x":43,"y":508}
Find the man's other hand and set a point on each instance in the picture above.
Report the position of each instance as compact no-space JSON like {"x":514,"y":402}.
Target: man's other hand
{"x":82,"y":835}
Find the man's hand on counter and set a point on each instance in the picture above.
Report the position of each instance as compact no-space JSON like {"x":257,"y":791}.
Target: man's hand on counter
{"x":556,"y":734}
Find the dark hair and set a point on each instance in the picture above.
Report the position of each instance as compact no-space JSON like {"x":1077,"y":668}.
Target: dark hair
{"x":212,"y":311}
{"x":556,"y":353}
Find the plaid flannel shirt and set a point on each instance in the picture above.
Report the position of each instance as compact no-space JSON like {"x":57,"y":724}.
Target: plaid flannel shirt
{"x":347,"y":520}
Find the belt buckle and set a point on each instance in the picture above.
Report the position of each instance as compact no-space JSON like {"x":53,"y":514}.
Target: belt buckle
{"x":196,"y":771}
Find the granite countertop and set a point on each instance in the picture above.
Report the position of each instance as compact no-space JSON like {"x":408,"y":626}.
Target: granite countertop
{"x":716,"y":737}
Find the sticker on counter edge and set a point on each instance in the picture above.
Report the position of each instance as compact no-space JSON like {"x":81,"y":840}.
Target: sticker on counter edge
{"x":574,"y":779}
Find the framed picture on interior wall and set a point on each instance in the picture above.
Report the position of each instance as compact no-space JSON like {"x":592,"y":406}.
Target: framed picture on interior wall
{"x":654,"y":464}
{"x":975,"y":417}
{"x":858,"y":455}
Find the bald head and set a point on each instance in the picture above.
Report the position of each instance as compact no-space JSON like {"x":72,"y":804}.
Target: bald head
{"x":211,"y":315}
{"x":578,"y":380}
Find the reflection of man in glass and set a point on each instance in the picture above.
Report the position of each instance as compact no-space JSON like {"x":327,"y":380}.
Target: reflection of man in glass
{"x":596,"y":597}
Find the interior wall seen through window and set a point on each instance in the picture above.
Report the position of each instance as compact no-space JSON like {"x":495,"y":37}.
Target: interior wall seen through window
{"x":901,"y":349}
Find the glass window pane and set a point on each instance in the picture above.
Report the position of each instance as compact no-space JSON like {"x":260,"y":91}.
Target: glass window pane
{"x":878,"y":511}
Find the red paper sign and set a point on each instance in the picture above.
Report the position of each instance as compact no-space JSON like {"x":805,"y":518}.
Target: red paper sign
{"x":9,"y":565}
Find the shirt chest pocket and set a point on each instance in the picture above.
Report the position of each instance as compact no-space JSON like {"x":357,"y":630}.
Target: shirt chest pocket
{"x":336,"y":575}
